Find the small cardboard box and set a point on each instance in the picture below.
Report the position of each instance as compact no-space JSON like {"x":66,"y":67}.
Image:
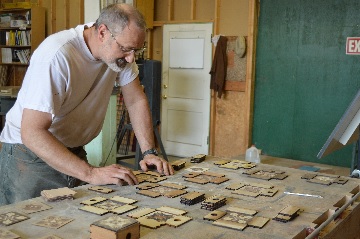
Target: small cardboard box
{"x":115,"y":227}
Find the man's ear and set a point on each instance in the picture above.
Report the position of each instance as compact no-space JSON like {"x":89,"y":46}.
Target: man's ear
{"x":102,"y":29}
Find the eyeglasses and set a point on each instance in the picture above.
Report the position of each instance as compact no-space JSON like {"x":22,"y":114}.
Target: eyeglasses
{"x":123,"y":49}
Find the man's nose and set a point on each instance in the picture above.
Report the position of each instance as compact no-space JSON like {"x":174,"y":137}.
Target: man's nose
{"x":130,"y":58}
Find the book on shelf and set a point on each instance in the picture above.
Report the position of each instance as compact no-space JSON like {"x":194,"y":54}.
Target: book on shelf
{"x":23,"y":55}
{"x":6,"y":55}
{"x":10,"y":55}
{"x":15,"y":38}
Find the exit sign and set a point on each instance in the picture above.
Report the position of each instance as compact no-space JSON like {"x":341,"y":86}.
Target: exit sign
{"x":353,"y":46}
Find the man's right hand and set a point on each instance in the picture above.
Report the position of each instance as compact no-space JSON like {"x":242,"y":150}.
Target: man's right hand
{"x":112,"y":174}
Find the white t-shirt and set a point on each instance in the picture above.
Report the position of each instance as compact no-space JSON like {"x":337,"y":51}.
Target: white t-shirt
{"x":65,"y":80}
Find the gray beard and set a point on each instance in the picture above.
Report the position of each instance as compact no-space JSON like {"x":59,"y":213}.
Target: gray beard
{"x":118,"y":65}
{"x":113,"y":66}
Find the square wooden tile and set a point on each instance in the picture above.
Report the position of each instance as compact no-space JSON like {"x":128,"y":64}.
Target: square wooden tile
{"x":54,"y":222}
{"x":10,"y":218}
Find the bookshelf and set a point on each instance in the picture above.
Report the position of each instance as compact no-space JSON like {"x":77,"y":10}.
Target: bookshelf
{"x":21,"y":32}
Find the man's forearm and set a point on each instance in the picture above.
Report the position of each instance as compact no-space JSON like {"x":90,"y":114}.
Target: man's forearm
{"x":142,"y":124}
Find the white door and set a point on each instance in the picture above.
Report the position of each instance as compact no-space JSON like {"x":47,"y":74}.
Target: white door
{"x":185,"y":105}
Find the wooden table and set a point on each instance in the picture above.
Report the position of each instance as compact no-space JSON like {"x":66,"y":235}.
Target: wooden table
{"x":311,"y":207}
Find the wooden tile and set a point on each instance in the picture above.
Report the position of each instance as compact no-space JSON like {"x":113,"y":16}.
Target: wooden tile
{"x":235,"y":186}
{"x":192,"y":198}
{"x":214,"y":215}
{"x":268,"y":192}
{"x":123,"y":200}
{"x":93,"y":200}
{"x":149,"y":193}
{"x":54,"y":222}
{"x":6,"y":234}
{"x":267,"y":174}
{"x":173,"y":185}
{"x":205,"y":177}
{"x":230,"y":224}
{"x":141,"y":212}
{"x":178,"y":164}
{"x":10,"y":218}
{"x":50,"y":237}
{"x":192,"y":195}
{"x":287,"y":214}
{"x":260,"y":185}
{"x":258,"y":222}
{"x":115,"y":223}
{"x":289,"y":210}
{"x":196,"y":169}
{"x":222,"y":162}
{"x":248,"y":191}
{"x":146,"y":186}
{"x":198,"y":158}
{"x":33,"y":206}
{"x":101,"y":189}
{"x":172,"y":210}
{"x":236,"y":164}
{"x":212,"y":174}
{"x":246,"y":211}
{"x":192,"y":175}
{"x":219,"y":180}
{"x":58,"y":194}
{"x":95,"y":210}
{"x":170,"y":190}
{"x":108,"y":205}
{"x":174,"y":193}
{"x":178,"y":220}
{"x":154,"y":219}
{"x":197,"y":180}
{"x":123,"y":209}
{"x":213,"y":203}
{"x":151,"y":177}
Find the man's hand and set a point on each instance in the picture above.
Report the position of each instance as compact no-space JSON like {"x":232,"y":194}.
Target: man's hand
{"x":162,"y":166}
{"x":112,"y":174}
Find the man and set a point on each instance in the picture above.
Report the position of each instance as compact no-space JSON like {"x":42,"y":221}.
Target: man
{"x":62,"y":104}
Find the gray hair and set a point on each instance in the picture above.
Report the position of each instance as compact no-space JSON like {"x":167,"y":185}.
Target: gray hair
{"x":117,"y":16}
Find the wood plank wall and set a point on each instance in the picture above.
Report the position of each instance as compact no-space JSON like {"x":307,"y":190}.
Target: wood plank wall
{"x":62,"y":14}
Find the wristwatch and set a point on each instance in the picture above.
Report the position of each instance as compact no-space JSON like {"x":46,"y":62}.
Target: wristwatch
{"x":150,"y":151}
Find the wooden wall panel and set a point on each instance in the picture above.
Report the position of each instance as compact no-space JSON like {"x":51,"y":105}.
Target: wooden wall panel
{"x":62,"y":14}
{"x":157,"y":45}
{"x":161,"y":7}
{"x":205,"y":9}
{"x":182,"y":10}
{"x":233,"y":19}
{"x":76,"y":13}
{"x":229,"y":125}
{"x":60,"y":23}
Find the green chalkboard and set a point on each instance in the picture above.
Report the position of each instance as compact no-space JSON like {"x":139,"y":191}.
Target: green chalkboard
{"x":304,"y":80}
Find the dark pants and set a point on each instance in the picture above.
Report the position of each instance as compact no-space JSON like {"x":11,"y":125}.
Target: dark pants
{"x":23,"y":175}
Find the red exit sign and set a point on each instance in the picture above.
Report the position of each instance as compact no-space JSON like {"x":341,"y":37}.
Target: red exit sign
{"x":353,"y":46}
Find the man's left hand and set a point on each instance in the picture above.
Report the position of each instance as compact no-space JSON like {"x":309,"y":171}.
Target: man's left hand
{"x":162,"y":166}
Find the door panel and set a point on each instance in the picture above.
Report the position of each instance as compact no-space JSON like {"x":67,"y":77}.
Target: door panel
{"x":185,"y":110}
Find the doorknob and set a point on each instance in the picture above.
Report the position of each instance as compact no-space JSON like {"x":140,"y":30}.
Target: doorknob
{"x":165,"y":86}
{"x":164,"y":97}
